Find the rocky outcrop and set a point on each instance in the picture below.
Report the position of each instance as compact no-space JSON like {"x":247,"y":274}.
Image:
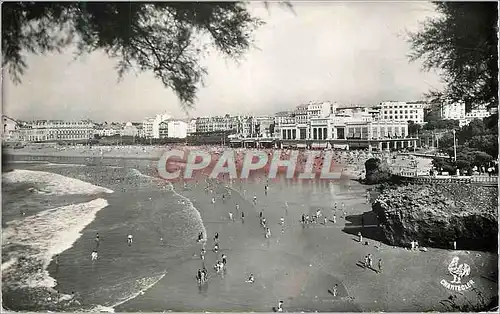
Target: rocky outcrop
{"x":377,"y":171}
{"x":436,"y":215}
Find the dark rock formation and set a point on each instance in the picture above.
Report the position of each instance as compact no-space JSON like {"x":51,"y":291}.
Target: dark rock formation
{"x":436,"y":215}
{"x":377,"y":171}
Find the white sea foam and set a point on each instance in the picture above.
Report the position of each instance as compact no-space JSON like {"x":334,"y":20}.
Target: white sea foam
{"x":53,"y":183}
{"x":64,"y":165}
{"x":45,"y":234}
{"x":143,"y":285}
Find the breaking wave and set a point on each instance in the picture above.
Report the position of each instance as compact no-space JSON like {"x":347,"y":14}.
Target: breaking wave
{"x":42,"y":236}
{"x":53,"y":183}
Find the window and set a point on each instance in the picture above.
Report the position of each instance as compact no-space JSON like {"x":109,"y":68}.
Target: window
{"x":406,"y":111}
{"x":406,"y":117}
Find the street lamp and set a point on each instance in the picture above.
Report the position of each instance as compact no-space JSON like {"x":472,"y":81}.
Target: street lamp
{"x":454,"y":147}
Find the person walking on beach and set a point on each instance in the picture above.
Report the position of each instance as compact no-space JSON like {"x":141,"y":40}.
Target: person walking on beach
{"x":334,"y":218}
{"x":280,"y":307}
{"x":216,"y":237}
{"x":224,"y":259}
{"x":380,"y":265}
{"x":129,"y":239}
{"x":202,"y":254}
{"x":213,"y":201}
{"x":334,"y":290}
{"x":454,"y":245}
{"x":260,"y":215}
{"x":255,"y":199}
{"x":370,"y":261}
{"x":216,"y":247}
{"x":237,"y":208}
{"x":199,"y":276}
{"x":265,"y":189}
{"x":242,"y":217}
{"x":366,"y":261}
{"x":268,"y":233}
{"x":231,"y":216}
{"x":94,"y":255}
{"x":360,"y":237}
{"x":97,"y":240}
{"x":251,"y":279}
{"x":286,"y":208}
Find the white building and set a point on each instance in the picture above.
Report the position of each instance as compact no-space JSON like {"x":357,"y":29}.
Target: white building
{"x":173,"y":128}
{"x":54,"y":130}
{"x":9,"y":128}
{"x":452,"y":111}
{"x":478,"y":113}
{"x":218,"y":123}
{"x":300,"y":114}
{"x":282,"y":117}
{"x":402,"y":111}
{"x":345,"y":127}
{"x":151,"y":126}
{"x":191,"y":126}
{"x":319,"y":110}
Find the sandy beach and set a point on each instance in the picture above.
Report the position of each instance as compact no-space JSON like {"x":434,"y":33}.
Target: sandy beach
{"x":297,"y":266}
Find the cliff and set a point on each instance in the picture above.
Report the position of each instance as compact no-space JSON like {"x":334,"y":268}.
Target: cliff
{"x":438,"y":214}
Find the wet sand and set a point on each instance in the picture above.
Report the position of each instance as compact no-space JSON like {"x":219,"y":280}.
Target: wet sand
{"x":301,"y":264}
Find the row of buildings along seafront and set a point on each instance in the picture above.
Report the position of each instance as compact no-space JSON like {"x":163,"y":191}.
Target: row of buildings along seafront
{"x":318,"y":121}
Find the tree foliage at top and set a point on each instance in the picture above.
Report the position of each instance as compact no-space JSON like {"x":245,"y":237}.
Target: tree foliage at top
{"x":462,"y":43}
{"x":161,"y":37}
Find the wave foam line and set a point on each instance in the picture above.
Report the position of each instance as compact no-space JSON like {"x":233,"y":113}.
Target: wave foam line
{"x":53,"y":183}
{"x":144,"y":283}
{"x":45,"y":235}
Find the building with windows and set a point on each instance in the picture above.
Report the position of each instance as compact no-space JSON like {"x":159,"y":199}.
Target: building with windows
{"x":402,"y":111}
{"x":301,"y":114}
{"x":173,"y":128}
{"x":56,"y":130}
{"x":218,"y":123}
{"x":263,"y":126}
{"x":452,"y":111}
{"x":151,"y":126}
{"x":191,"y":128}
{"x":9,"y":128}
{"x":480,"y":112}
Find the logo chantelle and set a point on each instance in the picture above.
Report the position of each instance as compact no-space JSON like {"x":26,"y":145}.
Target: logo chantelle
{"x":458,"y":271}
{"x":177,"y":164}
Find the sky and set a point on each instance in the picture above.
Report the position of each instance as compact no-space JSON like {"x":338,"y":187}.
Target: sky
{"x":349,"y":53}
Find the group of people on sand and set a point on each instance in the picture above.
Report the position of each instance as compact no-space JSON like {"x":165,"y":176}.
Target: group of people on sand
{"x":219,"y":266}
{"x":368,"y":263}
